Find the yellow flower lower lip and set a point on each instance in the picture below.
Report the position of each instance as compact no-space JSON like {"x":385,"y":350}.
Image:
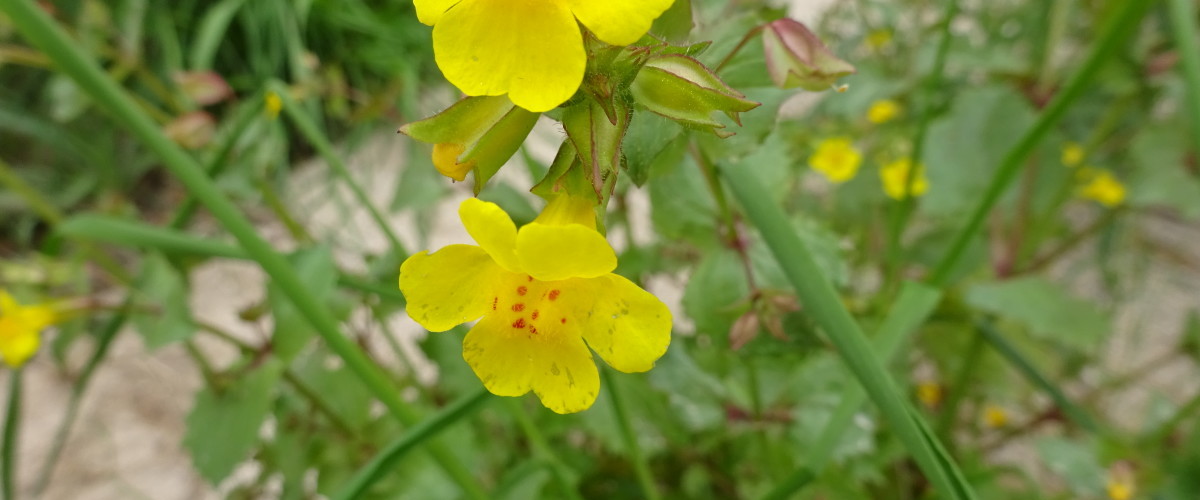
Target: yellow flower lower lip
{"x":531,"y":50}
{"x":20,"y":329}
{"x":542,"y":305}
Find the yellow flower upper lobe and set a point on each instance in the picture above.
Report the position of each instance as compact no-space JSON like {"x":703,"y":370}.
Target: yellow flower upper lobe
{"x":895,"y":177}
{"x":531,"y":50}
{"x":542,"y":291}
{"x":883,"y":111}
{"x":836,"y":159}
{"x":20,"y":327}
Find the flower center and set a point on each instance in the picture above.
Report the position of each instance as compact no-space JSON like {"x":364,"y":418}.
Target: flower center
{"x":530,"y":306}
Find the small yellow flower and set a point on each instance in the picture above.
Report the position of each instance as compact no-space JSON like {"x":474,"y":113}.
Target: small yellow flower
{"x":883,"y":111}
{"x":1101,"y":186}
{"x":836,"y":159}
{"x":1120,"y":484}
{"x":531,"y":50}
{"x":929,"y":393}
{"x":273,"y":104}
{"x":542,"y":291}
{"x":20,"y":329}
{"x":895,"y":179}
{"x":879,"y":38}
{"x":995,"y":416}
{"x":1073,"y":154}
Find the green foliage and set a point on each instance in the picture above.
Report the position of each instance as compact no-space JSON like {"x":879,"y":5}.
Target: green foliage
{"x":223,"y":426}
{"x":1045,"y":308}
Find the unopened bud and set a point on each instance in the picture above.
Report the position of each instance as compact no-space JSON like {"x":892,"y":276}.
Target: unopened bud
{"x":193,"y":130}
{"x":797,"y":58}
{"x":682,"y":89}
{"x":744,"y":330}
{"x":476,"y":134}
{"x":205,"y":88}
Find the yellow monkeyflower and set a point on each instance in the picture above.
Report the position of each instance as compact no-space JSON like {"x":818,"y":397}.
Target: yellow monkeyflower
{"x":883,"y":111}
{"x":1073,"y":154}
{"x":836,"y":159}
{"x":895,"y":179}
{"x":531,"y":50}
{"x":542,"y":291}
{"x":20,"y":329}
{"x":995,"y":416}
{"x":1120,"y":484}
{"x":929,"y":393}
{"x":1101,"y":186}
{"x":272,"y":104}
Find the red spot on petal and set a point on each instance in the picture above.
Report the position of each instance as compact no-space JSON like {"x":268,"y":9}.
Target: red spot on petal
{"x":530,"y":278}
{"x":554,"y":294}
{"x":564,"y":321}
{"x":535,"y":315}
{"x":519,"y":323}
{"x":522,"y":290}
{"x":495,"y":300}
{"x":532,"y":330}
{"x":518,"y":307}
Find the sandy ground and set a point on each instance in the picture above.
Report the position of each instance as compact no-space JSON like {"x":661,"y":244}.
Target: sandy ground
{"x":126,"y":443}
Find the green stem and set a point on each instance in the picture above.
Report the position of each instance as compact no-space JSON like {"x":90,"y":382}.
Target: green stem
{"x":385,"y":462}
{"x":824,"y":305}
{"x":41,"y":206}
{"x":958,"y":389}
{"x":1183,"y":26}
{"x":1125,"y":16}
{"x":903,"y":209}
{"x":12,"y":420}
{"x":1030,"y":372}
{"x":310,"y":131}
{"x":558,"y":470}
{"x":640,"y":466}
{"x":68,"y":56}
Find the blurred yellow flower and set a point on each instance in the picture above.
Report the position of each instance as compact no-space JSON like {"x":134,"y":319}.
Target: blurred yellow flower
{"x":929,"y":393}
{"x":531,"y":50}
{"x":273,"y":104}
{"x":883,"y":111}
{"x":1073,"y":154}
{"x":1101,"y":186}
{"x":995,"y":416}
{"x":879,"y":38}
{"x":836,"y":159}
{"x":21,"y":328}
{"x":895,"y":179}
{"x":1120,"y":484}
{"x":542,"y":291}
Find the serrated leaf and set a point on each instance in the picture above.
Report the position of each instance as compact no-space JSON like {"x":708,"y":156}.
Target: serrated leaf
{"x":292,"y":331}
{"x":717,"y":293}
{"x":163,"y":291}
{"x":222,"y":427}
{"x":648,"y":137}
{"x":1045,"y":308}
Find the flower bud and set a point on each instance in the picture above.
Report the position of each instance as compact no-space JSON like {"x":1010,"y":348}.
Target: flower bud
{"x":797,"y":58}
{"x":680,"y":88}
{"x":476,"y":134}
{"x":205,"y":88}
{"x":597,"y":139}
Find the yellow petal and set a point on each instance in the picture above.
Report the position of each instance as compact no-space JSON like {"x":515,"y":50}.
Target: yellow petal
{"x":17,"y":343}
{"x":551,"y":252}
{"x":532,"y":50}
{"x":492,"y":228}
{"x":555,"y":365}
{"x":430,"y":11}
{"x":449,"y":287}
{"x":618,"y":22}
{"x":628,"y":327}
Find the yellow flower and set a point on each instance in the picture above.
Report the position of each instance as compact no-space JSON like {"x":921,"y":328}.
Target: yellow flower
{"x":995,"y":416}
{"x":929,"y":393}
{"x":883,"y":111}
{"x":1073,"y":154}
{"x":895,"y":179}
{"x":1101,"y":186}
{"x":542,"y":291}
{"x":20,"y":328}
{"x":836,"y":159}
{"x":531,"y":50}
{"x":879,"y":38}
{"x":273,"y":104}
{"x":1121,"y":483}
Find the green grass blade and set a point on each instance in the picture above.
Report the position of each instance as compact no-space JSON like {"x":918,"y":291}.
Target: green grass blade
{"x":823,"y":304}
{"x":1125,"y":16}
{"x":212,"y":32}
{"x":8,"y":450}
{"x":640,"y":467}
{"x":1035,"y":376}
{"x":1183,"y":26}
{"x":385,"y":462}
{"x":32,"y":22}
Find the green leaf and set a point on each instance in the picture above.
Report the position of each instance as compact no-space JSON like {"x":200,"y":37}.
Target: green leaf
{"x":675,"y":24}
{"x":292,"y":330}
{"x":161,"y":289}
{"x":1045,"y":308}
{"x":223,"y":426}
{"x":1159,"y":151}
{"x":1076,"y":463}
{"x":682,"y":205}
{"x":648,"y":139}
{"x":717,"y":293}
